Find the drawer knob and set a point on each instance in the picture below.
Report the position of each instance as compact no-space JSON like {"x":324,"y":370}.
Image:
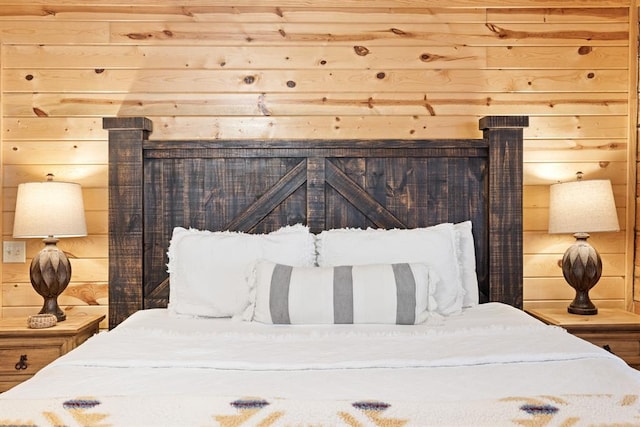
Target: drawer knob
{"x":22,"y":364}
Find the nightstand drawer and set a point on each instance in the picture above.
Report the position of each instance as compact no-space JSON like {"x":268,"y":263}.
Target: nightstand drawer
{"x":619,"y":347}
{"x":625,"y":347}
{"x":36,"y":358}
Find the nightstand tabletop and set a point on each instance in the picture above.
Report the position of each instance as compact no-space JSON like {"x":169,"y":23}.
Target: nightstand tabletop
{"x":607,"y":318}
{"x":14,"y":326}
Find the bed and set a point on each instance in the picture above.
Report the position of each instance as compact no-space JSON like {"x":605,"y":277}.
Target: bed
{"x":328,"y":282}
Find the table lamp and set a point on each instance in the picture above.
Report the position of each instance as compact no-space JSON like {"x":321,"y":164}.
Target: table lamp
{"x":581,"y":207}
{"x":50,"y":210}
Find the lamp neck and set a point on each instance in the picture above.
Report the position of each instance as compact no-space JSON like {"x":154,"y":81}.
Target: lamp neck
{"x":50,"y":240}
{"x":581,"y":236}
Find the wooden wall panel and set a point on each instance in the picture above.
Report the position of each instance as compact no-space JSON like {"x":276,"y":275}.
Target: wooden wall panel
{"x":473,"y":34}
{"x":315,"y":81}
{"x":321,"y":57}
{"x":336,"y":69}
{"x":288,"y":104}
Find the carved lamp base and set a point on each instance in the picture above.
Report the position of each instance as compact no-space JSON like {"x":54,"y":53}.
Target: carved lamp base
{"x":582,"y":268}
{"x":50,"y":273}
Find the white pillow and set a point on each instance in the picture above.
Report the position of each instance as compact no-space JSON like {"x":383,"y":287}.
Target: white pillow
{"x":437,"y":246}
{"x":467,"y":256}
{"x":208,"y":271}
{"x":378,"y":293}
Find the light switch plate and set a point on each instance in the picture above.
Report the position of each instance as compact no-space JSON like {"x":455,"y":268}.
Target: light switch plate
{"x":13,"y":252}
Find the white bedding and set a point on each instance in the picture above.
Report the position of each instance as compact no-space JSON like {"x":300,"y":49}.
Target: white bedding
{"x":490,"y":353}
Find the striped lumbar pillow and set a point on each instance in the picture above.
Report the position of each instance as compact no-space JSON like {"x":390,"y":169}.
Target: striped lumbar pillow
{"x":377,"y":293}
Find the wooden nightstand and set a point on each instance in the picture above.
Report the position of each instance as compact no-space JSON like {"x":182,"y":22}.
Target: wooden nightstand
{"x":617,"y":329}
{"x":39,"y":346}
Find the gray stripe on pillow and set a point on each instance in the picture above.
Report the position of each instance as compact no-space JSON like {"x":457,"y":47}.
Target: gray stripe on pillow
{"x":406,"y":294}
{"x":343,"y":294}
{"x":279,"y":294}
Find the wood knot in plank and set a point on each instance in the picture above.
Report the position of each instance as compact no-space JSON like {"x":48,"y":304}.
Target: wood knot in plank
{"x":500,"y":32}
{"x":361,"y":50}
{"x":381,"y":75}
{"x":39,"y":112}
{"x":291,"y":84}
{"x":585,"y":50}
{"x":282,"y":32}
{"x":430,"y":108}
{"x":249,"y":79}
{"x":167,"y":33}
{"x":99,"y":70}
{"x":279,"y":12}
{"x":88,"y":293}
{"x":139,"y":36}
{"x":28,"y":77}
{"x":398,"y":32}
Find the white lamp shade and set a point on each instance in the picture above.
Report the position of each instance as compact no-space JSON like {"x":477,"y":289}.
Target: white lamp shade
{"x":582,"y":207}
{"x":49,"y":208}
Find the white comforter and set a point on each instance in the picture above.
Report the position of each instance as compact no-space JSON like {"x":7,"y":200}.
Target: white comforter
{"x":492,"y":361}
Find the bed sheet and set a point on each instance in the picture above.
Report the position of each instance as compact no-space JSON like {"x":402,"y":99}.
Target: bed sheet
{"x":490,"y":353}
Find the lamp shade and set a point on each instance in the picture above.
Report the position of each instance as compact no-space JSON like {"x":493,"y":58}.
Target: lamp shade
{"x":49,"y":208}
{"x":582,"y":207}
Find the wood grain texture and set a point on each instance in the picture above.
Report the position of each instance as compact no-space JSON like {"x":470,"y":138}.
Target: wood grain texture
{"x":314,"y":80}
{"x":258,"y":186}
{"x":524,"y":11}
{"x":355,"y":4}
{"x":504,"y":136}
{"x":370,"y":34}
{"x":125,"y":248}
{"x":319,"y":57}
{"x":56,"y":105}
{"x":347,"y":70}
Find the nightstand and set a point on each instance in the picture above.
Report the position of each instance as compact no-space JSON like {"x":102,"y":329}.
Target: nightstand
{"x":24,"y":351}
{"x":615,"y":328}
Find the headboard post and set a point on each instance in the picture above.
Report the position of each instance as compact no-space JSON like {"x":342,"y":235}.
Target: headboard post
{"x":504,"y":134}
{"x":126,"y":136}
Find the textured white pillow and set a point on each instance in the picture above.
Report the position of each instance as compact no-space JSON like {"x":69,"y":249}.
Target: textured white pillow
{"x":436,"y":246}
{"x":208,"y":271}
{"x":379,"y":293}
{"x":467,"y":256}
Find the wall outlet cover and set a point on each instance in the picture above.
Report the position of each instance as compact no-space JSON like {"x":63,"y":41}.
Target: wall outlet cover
{"x":13,"y":252}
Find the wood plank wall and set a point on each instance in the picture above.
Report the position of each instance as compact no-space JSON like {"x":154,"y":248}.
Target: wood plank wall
{"x":331,"y":69}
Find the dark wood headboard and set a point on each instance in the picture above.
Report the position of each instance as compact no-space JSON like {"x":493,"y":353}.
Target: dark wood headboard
{"x":258,"y":186}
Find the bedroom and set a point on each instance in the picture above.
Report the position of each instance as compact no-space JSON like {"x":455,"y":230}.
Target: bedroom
{"x":403,"y":70}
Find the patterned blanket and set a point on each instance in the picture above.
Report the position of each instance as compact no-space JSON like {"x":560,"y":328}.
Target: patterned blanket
{"x":102,"y":411}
